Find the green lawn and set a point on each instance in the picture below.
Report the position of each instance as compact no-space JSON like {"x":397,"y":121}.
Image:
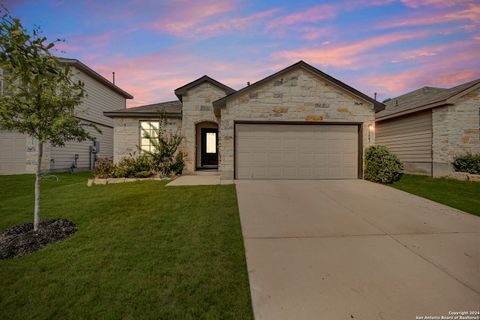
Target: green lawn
{"x":142,"y":251}
{"x":463,"y":195}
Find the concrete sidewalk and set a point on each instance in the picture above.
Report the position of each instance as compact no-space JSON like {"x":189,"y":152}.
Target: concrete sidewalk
{"x":198,"y":180}
{"x":352,"y":249}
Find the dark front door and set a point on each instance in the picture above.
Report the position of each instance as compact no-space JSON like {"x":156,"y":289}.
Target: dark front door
{"x":209,"y":146}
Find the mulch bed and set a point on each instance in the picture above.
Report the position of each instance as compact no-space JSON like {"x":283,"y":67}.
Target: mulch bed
{"x":21,"y":239}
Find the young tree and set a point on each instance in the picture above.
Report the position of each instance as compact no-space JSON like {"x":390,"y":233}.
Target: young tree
{"x":164,"y":145}
{"x":39,"y":93}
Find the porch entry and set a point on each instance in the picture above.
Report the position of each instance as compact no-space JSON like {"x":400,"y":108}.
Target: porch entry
{"x":209,"y":147}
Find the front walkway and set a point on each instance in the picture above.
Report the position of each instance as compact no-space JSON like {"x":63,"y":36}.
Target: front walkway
{"x":353,"y":249}
{"x":199,"y":178}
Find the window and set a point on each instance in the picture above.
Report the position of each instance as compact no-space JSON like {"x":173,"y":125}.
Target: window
{"x":211,"y":146}
{"x":148,"y":128}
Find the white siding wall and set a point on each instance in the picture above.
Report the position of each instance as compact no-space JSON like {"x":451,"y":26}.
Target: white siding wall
{"x":410,"y":138}
{"x":13,"y":147}
{"x":99,"y":99}
{"x":63,"y":157}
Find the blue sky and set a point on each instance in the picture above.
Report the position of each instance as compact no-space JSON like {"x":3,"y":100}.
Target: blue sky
{"x":389,"y":47}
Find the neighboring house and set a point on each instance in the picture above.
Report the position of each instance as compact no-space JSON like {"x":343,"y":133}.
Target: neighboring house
{"x":428,"y":127}
{"x":18,"y":152}
{"x":298,"y":123}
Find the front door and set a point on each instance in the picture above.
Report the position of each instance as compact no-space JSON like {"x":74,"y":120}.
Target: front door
{"x":209,"y":147}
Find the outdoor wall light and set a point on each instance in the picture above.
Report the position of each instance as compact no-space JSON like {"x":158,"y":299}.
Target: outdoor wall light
{"x":371,"y":129}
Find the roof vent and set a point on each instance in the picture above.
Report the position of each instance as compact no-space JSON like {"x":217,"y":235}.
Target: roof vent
{"x":248,"y":84}
{"x":396,"y":103}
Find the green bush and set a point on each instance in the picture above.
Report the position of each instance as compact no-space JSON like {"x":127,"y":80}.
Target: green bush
{"x":381,"y":165}
{"x":143,"y":174}
{"x":130,"y":166}
{"x":104,"y":168}
{"x":178,"y":164}
{"x":467,"y":163}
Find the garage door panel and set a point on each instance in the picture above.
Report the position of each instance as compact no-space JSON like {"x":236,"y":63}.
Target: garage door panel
{"x":278,"y":151}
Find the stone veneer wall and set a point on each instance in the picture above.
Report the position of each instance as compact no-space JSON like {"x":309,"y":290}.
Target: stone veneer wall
{"x":126,"y":135}
{"x":456,"y":131}
{"x":297,"y":96}
{"x":197,"y":107}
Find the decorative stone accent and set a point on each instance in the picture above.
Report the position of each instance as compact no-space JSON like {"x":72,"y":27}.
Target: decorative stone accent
{"x":343,"y":110}
{"x":313,"y":118}
{"x":465,"y":176}
{"x":322,"y":105}
{"x":280,"y":110}
{"x":99,"y":181}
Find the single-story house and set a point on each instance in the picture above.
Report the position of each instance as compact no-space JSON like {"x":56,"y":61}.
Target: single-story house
{"x":18,"y":152}
{"x":428,"y":127}
{"x":298,"y":123}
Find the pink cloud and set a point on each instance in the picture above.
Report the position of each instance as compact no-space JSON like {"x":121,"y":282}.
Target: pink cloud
{"x":435,"y":3}
{"x":184,"y":15}
{"x":344,"y":55}
{"x":313,"y":33}
{"x":313,"y":14}
{"x":229,"y":24}
{"x":451,"y":66}
{"x":470,"y":14}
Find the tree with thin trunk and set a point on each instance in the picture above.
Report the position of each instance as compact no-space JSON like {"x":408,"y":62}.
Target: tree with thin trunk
{"x":39,"y":93}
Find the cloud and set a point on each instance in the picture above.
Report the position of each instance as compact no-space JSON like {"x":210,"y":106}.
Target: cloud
{"x":230,"y":24}
{"x":185,"y":15}
{"x":435,"y":3}
{"x":313,"y":14}
{"x":453,"y":64}
{"x":469,"y":14}
{"x":344,"y":55}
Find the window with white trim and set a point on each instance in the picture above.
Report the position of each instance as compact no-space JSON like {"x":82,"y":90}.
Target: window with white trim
{"x":148,"y":129}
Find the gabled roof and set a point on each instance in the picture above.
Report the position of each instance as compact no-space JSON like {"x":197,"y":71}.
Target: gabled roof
{"x":424,"y":98}
{"x":92,"y":73}
{"x":179,"y":92}
{"x":300,"y":64}
{"x":170,"y":108}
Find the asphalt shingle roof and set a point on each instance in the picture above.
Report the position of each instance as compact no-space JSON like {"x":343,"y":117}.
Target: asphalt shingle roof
{"x":170,"y":108}
{"x":421,"y":98}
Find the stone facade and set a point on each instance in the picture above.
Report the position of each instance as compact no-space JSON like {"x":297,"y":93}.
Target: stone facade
{"x":296,"y":96}
{"x":127,"y":134}
{"x":197,"y":108}
{"x":456,"y":131}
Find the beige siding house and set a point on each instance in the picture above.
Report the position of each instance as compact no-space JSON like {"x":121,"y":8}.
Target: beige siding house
{"x":18,"y":151}
{"x":298,"y":123}
{"x":428,"y":127}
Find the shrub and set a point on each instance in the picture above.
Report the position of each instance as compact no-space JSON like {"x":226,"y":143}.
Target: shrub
{"x":129,"y":166}
{"x":179,"y":163}
{"x":104,"y":168}
{"x":143,"y":174}
{"x":467,"y":163}
{"x":381,"y":165}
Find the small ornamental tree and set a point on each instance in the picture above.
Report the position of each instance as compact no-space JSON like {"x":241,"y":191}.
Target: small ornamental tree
{"x":39,"y":94}
{"x":164,"y":147}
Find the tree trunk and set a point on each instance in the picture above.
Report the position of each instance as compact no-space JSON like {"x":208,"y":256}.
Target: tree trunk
{"x":38,"y":177}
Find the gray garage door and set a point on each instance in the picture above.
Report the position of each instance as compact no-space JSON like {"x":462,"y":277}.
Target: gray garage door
{"x":278,"y":151}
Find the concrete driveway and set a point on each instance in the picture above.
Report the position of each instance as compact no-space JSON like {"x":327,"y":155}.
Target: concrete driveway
{"x":351,"y":249}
